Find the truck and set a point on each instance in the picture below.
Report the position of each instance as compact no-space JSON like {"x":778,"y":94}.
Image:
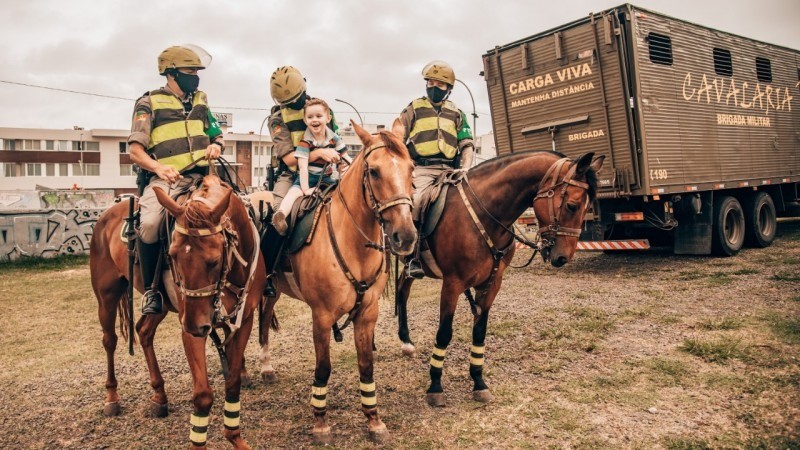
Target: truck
{"x":700,"y":128}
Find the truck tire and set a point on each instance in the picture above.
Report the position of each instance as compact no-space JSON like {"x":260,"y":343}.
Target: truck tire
{"x":760,"y":220}
{"x":728,"y":229}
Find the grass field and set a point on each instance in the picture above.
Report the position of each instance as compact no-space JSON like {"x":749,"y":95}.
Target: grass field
{"x":612,"y":351}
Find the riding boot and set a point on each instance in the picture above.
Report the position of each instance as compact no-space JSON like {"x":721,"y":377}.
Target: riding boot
{"x":148,"y":261}
{"x":413,"y":265}
{"x":270,"y":248}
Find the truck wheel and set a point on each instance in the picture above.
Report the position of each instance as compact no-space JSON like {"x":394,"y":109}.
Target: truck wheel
{"x":760,"y":221}
{"x":728,"y":232}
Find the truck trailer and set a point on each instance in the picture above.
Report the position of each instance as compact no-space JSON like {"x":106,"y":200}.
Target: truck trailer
{"x":700,"y":128}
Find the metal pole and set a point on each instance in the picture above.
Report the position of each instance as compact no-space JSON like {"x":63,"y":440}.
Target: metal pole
{"x":474,"y":112}
{"x":258,"y":180}
{"x":354,"y":109}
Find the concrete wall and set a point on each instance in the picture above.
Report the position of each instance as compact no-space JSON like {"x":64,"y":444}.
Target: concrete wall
{"x":46,"y":233}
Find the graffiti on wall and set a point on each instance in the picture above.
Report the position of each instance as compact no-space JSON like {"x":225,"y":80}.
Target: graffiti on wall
{"x":76,"y":199}
{"x":46,"y":233}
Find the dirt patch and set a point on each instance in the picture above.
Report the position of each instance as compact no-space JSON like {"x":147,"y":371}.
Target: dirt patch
{"x":633,"y":350}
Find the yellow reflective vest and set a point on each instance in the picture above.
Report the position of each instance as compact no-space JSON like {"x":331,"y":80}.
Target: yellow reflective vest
{"x":434,"y":133}
{"x":177,"y":139}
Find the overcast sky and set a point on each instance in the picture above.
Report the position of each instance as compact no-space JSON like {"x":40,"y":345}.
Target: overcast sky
{"x":368,"y":53}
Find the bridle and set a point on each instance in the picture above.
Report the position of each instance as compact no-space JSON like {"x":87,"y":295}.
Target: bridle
{"x":378,"y":207}
{"x":215,"y":290}
{"x":548,"y":192}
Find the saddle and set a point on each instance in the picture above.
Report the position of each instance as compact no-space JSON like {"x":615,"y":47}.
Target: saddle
{"x":304,"y":217}
{"x":432,"y":201}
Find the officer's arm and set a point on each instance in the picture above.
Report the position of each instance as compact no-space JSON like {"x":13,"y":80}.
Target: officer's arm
{"x":465,"y":144}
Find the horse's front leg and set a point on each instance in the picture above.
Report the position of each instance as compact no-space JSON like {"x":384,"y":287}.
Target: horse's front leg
{"x":265,"y":322}
{"x":364,"y":334}
{"x":107,"y":301}
{"x":233,"y":384}
{"x":319,"y":389}
{"x":202,"y":395}
{"x":402,"y":291}
{"x":146,"y":328}
{"x":480,"y":391}
{"x":447,"y":308}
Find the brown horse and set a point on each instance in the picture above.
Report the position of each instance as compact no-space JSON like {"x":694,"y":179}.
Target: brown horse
{"x":214,"y":254}
{"x":342,"y":270}
{"x":473,"y":243}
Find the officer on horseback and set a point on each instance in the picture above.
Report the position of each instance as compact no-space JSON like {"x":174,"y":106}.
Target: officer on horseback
{"x":439,"y":139}
{"x":287,"y":87}
{"x":172,"y":136}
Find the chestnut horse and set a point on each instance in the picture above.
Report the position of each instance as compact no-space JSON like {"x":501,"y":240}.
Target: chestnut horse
{"x":473,"y":243}
{"x":342,"y":270}
{"x":214,"y":253}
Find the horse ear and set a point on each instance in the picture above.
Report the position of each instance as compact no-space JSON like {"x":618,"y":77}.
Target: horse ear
{"x":167,"y":202}
{"x":398,"y":129}
{"x":583,"y":163}
{"x":598,"y":163}
{"x":365,"y":137}
{"x":221,"y":207}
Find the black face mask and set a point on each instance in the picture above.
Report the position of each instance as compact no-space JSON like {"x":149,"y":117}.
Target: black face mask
{"x":435,"y":94}
{"x":187,"y":83}
{"x":299,"y":103}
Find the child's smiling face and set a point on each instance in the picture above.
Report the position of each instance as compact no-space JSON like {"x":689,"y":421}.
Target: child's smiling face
{"x":316,"y":118}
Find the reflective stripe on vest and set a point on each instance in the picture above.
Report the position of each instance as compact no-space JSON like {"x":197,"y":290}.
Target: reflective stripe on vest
{"x":177,"y":139}
{"x":294,"y":122}
{"x":434,"y":132}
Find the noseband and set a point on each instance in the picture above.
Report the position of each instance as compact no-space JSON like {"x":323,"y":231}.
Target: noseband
{"x":555,"y":188}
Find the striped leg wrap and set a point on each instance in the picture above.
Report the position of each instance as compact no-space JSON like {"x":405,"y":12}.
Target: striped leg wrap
{"x":437,"y":357}
{"x":199,"y":431}
{"x":319,"y":395}
{"x":232,"y":408}
{"x":476,"y":355}
{"x":369,"y":397}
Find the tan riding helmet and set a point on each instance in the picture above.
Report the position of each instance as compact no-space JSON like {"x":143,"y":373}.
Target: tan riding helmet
{"x":286,"y":84}
{"x":439,"y":71}
{"x":183,"y":56}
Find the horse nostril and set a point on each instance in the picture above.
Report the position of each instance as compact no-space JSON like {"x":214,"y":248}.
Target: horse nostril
{"x":560,"y":261}
{"x":203,"y":330}
{"x":396,"y":239}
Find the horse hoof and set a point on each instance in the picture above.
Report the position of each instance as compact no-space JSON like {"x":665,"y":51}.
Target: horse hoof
{"x":158,"y":411}
{"x":435,"y":399}
{"x":409,"y":350}
{"x":379,"y":436}
{"x":268,"y":377}
{"x":323,"y":438}
{"x":111,"y":409}
{"x":483,"y":396}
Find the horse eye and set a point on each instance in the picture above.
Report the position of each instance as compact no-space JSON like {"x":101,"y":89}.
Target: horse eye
{"x":211,"y":263}
{"x":572,"y":207}
{"x":373,"y":173}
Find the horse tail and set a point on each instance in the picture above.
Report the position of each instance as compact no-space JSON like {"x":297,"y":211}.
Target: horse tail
{"x":275,"y":325}
{"x":122,"y":308}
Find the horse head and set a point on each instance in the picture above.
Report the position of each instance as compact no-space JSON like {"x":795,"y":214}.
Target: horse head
{"x":561,"y":203}
{"x":198,"y":251}
{"x":387,"y":174}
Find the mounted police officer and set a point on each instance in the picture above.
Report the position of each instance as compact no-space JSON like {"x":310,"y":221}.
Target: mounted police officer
{"x":172,"y":137}
{"x":438,"y":137}
{"x":286,"y":126}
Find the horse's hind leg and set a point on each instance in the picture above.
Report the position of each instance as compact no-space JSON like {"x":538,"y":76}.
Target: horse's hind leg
{"x":364,"y":334}
{"x":480,"y":391}
{"x":146,"y":328}
{"x":266,"y":321}
{"x":402,"y":291}
{"x":447,"y":308}
{"x":108,"y":299}
{"x":322,"y":373}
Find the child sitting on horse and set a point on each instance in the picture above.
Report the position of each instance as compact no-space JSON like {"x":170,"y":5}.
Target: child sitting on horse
{"x":316,"y":115}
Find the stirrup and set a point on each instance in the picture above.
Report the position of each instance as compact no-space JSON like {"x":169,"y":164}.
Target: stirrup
{"x":152,"y":303}
{"x":414,"y":269}
{"x":269,"y":288}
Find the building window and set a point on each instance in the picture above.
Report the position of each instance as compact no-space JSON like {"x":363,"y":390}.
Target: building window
{"x":63,"y":170}
{"x":227,"y":150}
{"x":92,"y":170}
{"x":723,"y":65}
{"x":126,"y":170}
{"x":763,"y":70}
{"x":49,"y":145}
{"x":56,"y":145}
{"x":33,"y":170}
{"x":50,"y":169}
{"x":123,"y":147}
{"x":31,"y":144}
{"x":660,"y":48}
{"x":10,"y":170}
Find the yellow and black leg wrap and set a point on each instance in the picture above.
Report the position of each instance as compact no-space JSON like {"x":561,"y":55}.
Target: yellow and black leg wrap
{"x":319,"y":396}
{"x":199,"y":431}
{"x":369,"y":398}
{"x":476,"y":366}
{"x":437,"y":357}
{"x":232,"y":408}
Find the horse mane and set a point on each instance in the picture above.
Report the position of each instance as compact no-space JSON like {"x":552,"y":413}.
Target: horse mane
{"x":495,"y":164}
{"x":198,"y":213}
